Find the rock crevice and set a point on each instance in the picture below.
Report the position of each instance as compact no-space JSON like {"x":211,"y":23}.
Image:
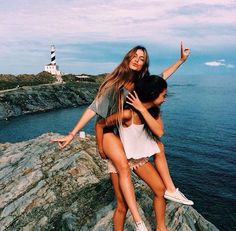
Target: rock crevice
{"x":45,"y":188}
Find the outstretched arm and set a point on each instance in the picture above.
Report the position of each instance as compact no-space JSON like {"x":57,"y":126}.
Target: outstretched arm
{"x":184,"y":53}
{"x":85,"y":118}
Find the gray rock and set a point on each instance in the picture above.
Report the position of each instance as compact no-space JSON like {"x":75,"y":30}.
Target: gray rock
{"x":45,"y":188}
{"x":39,"y":98}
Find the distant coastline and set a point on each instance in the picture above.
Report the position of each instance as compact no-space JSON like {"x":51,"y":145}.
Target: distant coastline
{"x":45,"y":97}
{"x":30,"y":93}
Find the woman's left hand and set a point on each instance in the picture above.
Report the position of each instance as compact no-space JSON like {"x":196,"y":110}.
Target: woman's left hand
{"x":135,"y":101}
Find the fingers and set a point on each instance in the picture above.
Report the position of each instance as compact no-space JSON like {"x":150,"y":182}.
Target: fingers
{"x":129,"y":98}
{"x":184,"y":49}
{"x":102,"y":154}
{"x":132,"y":96}
{"x":187,"y":50}
{"x":130,"y":101}
{"x":136,"y":95}
{"x":58,"y":139}
{"x":60,"y":144}
{"x":63,"y":145}
{"x":53,"y":140}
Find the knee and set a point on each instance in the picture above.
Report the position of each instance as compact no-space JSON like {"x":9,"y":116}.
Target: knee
{"x":159,"y":156}
{"x":123,"y":169}
{"x":159,"y":191}
{"x":121,"y":206}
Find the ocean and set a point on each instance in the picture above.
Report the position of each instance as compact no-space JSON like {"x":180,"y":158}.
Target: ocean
{"x":200,"y":140}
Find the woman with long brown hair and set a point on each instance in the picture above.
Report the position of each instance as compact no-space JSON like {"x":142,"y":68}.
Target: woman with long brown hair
{"x":110,"y":99}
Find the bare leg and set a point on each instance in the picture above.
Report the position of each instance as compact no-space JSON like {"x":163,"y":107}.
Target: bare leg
{"x":121,"y":205}
{"x":172,"y":193}
{"x":149,"y":175}
{"x":163,"y":169}
{"x":114,"y":150}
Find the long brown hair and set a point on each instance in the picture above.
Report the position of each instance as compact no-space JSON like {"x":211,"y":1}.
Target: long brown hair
{"x":121,"y":75}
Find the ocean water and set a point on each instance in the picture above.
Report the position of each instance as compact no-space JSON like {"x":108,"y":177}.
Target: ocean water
{"x":200,"y":140}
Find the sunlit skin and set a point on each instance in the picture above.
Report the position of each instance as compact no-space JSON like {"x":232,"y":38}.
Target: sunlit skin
{"x":137,"y":62}
{"x":147,"y":172}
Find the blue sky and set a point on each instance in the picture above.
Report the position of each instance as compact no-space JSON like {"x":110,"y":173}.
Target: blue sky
{"x":93,"y":36}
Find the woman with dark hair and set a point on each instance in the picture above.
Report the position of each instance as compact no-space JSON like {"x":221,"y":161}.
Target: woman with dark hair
{"x":140,"y":127}
{"x":110,"y":99}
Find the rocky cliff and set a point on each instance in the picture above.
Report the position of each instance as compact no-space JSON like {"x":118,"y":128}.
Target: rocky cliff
{"x":46,"y":97}
{"x":45,"y":188}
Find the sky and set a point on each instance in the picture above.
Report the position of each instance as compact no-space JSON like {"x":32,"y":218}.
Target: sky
{"x":92,"y":36}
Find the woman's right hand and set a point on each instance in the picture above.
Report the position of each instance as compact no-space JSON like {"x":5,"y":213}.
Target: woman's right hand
{"x":134,"y":100}
{"x":64,"y":141}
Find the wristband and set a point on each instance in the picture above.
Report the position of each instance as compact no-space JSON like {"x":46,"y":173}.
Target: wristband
{"x":72,"y":135}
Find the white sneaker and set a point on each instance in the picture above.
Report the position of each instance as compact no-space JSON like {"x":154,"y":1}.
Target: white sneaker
{"x":140,"y":226}
{"x":177,"y":196}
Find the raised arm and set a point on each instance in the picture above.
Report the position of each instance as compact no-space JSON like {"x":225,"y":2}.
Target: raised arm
{"x":184,"y":53}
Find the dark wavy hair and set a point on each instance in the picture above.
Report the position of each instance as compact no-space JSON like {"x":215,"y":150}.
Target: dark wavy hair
{"x":148,"y":89}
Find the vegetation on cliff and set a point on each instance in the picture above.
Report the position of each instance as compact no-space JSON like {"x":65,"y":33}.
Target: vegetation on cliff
{"x":8,"y":81}
{"x":30,"y":99}
{"x":12,"y":81}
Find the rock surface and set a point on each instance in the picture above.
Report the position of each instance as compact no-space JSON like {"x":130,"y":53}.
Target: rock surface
{"x":46,"y":97}
{"x":45,"y":188}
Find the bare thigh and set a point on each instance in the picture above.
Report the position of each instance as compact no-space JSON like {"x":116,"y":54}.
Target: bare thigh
{"x":150,"y":176}
{"x":114,"y":150}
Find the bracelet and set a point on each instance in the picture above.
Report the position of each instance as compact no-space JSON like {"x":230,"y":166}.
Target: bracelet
{"x":71,"y":134}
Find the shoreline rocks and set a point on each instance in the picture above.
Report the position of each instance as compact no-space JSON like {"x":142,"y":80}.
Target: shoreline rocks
{"x":45,"y":188}
{"x":31,"y":99}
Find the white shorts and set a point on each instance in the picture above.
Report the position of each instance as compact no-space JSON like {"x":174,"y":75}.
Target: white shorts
{"x":133,"y":164}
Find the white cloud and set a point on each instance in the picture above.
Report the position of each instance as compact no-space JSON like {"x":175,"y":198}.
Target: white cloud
{"x":215,"y":63}
{"x":26,"y":27}
{"x":218,"y":63}
{"x":158,"y":21}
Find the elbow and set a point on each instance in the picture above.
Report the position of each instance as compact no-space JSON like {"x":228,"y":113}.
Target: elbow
{"x":161,"y":134}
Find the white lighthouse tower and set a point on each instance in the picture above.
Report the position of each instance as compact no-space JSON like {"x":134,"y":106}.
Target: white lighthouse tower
{"x":52,"y":67}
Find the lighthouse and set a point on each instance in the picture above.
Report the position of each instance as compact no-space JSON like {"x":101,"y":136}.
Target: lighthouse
{"x":53,"y":55}
{"x":52,"y":67}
